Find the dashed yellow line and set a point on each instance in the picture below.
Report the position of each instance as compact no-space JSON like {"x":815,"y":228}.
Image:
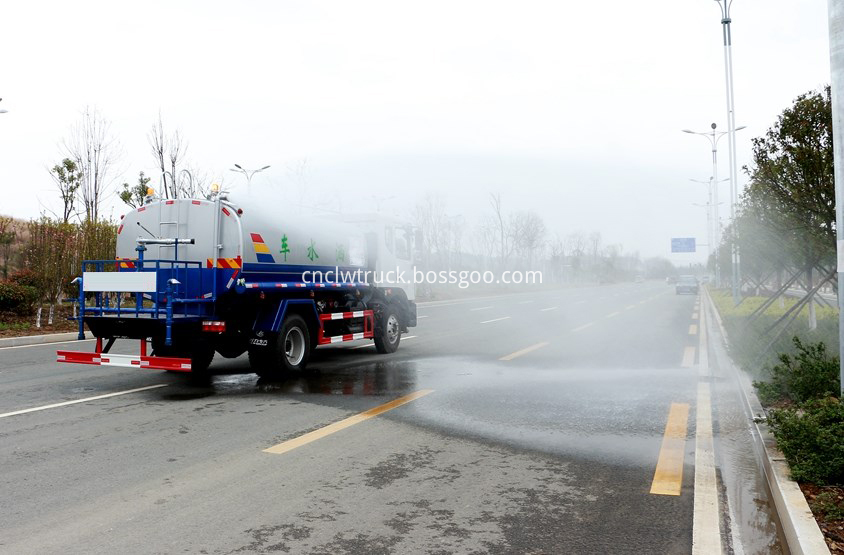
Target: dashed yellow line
{"x":694,"y":316}
{"x":524,"y":351}
{"x":693,"y":329}
{"x":291,"y":444}
{"x":668,"y":477}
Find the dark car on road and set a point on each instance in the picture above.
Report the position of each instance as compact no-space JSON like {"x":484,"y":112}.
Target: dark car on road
{"x":686,"y":284}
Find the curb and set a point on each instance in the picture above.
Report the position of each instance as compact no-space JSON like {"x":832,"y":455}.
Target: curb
{"x":800,"y":529}
{"x":40,"y":339}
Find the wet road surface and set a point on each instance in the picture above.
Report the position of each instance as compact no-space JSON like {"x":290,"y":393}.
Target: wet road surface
{"x":555,"y":422}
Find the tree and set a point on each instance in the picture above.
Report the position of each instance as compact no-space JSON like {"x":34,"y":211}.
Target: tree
{"x":68,"y":179}
{"x":134,"y":195}
{"x":7,"y":239}
{"x":792,"y":174}
{"x":169,"y":153}
{"x":95,"y":152}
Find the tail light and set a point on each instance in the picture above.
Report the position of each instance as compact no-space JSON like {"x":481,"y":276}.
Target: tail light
{"x":214,"y":327}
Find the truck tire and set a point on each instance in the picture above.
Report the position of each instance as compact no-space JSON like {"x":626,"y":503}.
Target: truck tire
{"x":388,"y":331}
{"x":293,"y":345}
{"x":261,"y":361}
{"x":200,"y":353}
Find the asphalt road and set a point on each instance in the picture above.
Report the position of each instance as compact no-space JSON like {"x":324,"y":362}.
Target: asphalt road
{"x":556,"y":422}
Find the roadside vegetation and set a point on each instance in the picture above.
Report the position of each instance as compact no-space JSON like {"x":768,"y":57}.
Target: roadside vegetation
{"x":784,"y":332}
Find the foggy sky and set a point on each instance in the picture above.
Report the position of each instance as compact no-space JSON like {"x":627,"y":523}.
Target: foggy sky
{"x":573,"y":110}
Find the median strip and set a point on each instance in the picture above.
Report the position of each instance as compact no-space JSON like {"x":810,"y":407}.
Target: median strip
{"x":668,"y":477}
{"x":85,"y":400}
{"x":524,"y":351}
{"x":292,"y":444}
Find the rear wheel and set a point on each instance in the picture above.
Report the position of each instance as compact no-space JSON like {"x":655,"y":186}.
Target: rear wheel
{"x":293,"y":346}
{"x":388,"y":331}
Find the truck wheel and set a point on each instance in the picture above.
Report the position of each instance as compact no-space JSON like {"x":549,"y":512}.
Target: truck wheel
{"x":261,"y":361}
{"x":201,"y":356}
{"x":293,"y":345}
{"x":388,"y":331}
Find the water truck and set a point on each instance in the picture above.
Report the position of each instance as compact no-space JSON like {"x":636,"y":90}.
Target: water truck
{"x":239,"y":273}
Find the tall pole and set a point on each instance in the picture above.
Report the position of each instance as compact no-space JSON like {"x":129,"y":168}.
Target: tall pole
{"x":836,"y":58}
{"x":731,"y":137}
{"x":717,"y":222}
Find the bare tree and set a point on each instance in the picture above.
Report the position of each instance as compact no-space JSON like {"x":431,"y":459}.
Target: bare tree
{"x":527,"y":233}
{"x":96,"y":152}
{"x":169,"y":153}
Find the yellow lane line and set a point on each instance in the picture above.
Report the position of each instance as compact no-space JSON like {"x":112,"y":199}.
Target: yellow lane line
{"x":524,"y":351}
{"x":668,"y":477}
{"x":583,"y":327}
{"x":693,"y":329}
{"x":688,"y":357}
{"x":291,"y":444}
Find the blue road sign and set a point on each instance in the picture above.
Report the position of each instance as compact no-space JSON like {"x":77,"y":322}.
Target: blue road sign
{"x":683,"y":244}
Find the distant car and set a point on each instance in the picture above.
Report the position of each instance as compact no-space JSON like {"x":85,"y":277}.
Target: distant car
{"x":670,"y":280}
{"x":687,"y":285}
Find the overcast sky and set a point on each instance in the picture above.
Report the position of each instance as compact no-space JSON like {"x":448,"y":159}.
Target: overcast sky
{"x":571,"y":109}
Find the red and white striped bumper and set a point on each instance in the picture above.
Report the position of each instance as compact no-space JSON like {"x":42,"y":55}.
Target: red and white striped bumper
{"x":126,"y":361}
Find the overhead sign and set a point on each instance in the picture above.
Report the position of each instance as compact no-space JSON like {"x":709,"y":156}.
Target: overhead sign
{"x":683,"y":244}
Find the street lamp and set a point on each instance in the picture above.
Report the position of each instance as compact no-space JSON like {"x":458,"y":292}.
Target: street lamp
{"x":248,"y":173}
{"x":713,"y":137}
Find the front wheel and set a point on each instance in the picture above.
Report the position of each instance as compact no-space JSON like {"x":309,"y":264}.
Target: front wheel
{"x":388,"y":331}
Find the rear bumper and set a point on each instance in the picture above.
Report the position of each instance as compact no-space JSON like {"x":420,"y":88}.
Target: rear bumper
{"x":126,"y":361}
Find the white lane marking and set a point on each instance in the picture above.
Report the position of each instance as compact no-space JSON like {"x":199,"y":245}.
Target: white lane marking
{"x":706,"y":534}
{"x":580,"y":302}
{"x":693,"y":329}
{"x":688,"y":357}
{"x":495,"y":320}
{"x":403,"y":338}
{"x":525,"y":302}
{"x":612,"y":315}
{"x":47,"y":344}
{"x":85,"y":400}
{"x":423,"y":316}
{"x":547,"y":309}
{"x":479,"y":308}
{"x":630,"y":307}
{"x":583,"y":327}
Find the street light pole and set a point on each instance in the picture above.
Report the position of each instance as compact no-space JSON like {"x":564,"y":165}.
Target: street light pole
{"x":710,"y":225}
{"x":713,"y":137}
{"x":836,"y":59}
{"x":248,"y":173}
{"x":731,"y":130}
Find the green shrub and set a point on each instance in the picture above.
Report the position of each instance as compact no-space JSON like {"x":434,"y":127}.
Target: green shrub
{"x":812,"y":440}
{"x":14,"y":297}
{"x":27,"y":278}
{"x":810,"y":373}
